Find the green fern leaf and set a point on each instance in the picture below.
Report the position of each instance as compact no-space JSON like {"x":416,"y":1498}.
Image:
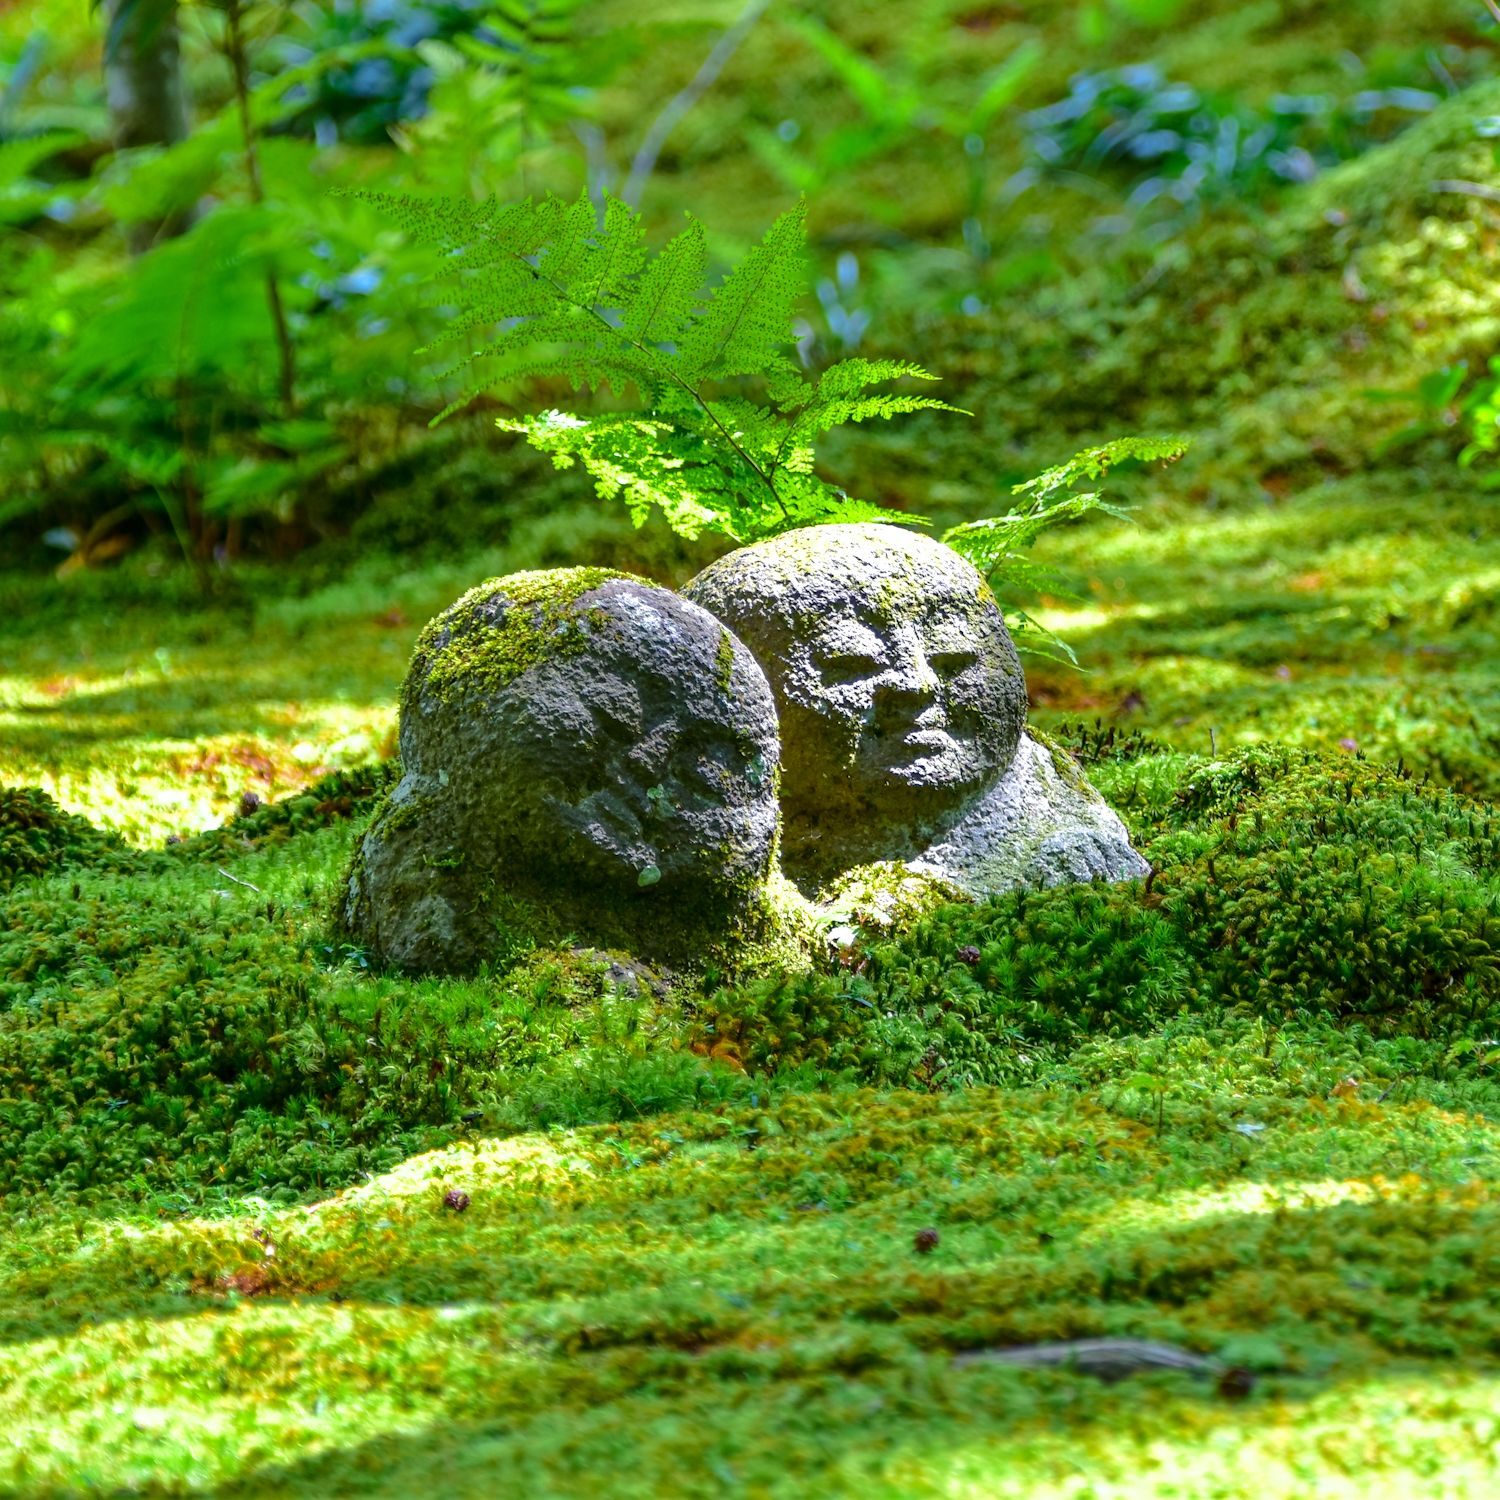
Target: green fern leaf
{"x":996,"y":545}
{"x":566,"y":290}
{"x":667,"y":296}
{"x":1094,"y":463}
{"x":619,"y":254}
{"x":746,"y":328}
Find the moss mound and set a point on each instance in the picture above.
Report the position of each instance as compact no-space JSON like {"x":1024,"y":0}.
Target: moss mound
{"x":1286,"y":885}
{"x":37,"y":836}
{"x":337,"y":797}
{"x":1260,"y":334}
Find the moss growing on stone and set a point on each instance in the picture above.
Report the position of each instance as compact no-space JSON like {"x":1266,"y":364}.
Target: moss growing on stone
{"x":485,"y":640}
{"x":878,"y":899}
{"x":724,"y":663}
{"x":1063,"y":761}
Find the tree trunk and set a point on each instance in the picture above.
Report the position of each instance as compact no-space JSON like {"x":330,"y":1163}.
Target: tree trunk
{"x":143,"y":82}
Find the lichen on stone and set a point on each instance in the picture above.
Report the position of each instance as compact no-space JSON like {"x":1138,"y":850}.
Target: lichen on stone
{"x":503,"y":627}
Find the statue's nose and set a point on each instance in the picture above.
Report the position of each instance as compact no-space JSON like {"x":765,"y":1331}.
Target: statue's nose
{"x":911,"y":672}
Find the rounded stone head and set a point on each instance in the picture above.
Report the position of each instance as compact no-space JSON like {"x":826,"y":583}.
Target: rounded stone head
{"x":586,"y":742}
{"x":899,"y":691}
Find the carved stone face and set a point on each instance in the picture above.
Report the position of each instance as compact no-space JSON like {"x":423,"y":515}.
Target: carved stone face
{"x":649,"y":759}
{"x":595,"y":746}
{"x":899,"y":691}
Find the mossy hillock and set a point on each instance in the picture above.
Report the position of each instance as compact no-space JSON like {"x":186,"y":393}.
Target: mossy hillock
{"x":1258,"y":332}
{"x":1286,"y":885}
{"x":338,"y":796}
{"x":37,"y":836}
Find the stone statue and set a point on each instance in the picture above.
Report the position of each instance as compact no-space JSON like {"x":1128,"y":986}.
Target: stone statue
{"x":586,"y":756}
{"x":903,"y":710}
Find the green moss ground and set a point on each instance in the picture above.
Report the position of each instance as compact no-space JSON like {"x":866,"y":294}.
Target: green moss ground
{"x":660,"y":1303}
{"x":1249,"y":1110}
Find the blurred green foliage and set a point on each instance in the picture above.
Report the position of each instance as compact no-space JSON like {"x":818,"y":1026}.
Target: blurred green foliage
{"x":1247,"y":1108}
{"x":114,"y":431}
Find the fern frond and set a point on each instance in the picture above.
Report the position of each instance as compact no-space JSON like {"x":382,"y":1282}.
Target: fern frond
{"x":547,"y":288}
{"x":841,"y":396}
{"x":850,"y":376}
{"x":1032,"y":638}
{"x":619,"y":254}
{"x":746,"y":327}
{"x":990,"y":542}
{"x":995,"y":545}
{"x":666,"y":297}
{"x":1094,"y":463}
{"x":649,"y":465}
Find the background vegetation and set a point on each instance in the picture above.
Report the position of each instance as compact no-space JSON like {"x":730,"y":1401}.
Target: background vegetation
{"x":1247,"y":1108}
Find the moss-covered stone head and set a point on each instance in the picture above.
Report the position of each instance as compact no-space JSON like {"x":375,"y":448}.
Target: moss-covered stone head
{"x":899,"y":691}
{"x":585,"y":742}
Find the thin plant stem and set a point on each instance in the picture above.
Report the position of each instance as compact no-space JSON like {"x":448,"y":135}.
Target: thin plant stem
{"x":240,"y":63}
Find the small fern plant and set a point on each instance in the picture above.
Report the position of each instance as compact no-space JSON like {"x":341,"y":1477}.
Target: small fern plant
{"x":725,"y":436}
{"x":997,"y":545}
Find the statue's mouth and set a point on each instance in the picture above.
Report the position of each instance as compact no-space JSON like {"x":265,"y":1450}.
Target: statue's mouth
{"x":917,"y":743}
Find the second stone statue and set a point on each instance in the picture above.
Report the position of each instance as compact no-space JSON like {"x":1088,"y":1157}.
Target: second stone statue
{"x":903,"y":716}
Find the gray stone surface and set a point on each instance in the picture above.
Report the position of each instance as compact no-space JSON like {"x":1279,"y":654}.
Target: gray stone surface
{"x":585,"y":756}
{"x":1040,"y":824}
{"x":903,"y":707}
{"x":900,"y":694}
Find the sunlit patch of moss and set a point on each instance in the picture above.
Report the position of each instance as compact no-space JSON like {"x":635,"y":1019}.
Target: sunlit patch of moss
{"x":875,"y":900}
{"x":750,"y":1273}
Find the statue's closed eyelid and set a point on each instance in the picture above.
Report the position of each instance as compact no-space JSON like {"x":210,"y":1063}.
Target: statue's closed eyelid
{"x":953,"y":659}
{"x":849,"y":666}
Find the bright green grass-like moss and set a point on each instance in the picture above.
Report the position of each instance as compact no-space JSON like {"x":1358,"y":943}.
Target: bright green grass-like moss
{"x":662,"y":1299}
{"x":36,"y":836}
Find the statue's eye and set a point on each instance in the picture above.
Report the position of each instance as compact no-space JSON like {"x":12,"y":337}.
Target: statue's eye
{"x":850,"y":666}
{"x":949,"y":663}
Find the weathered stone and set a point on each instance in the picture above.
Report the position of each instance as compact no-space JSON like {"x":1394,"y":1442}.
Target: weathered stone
{"x":586,"y":756}
{"x":900,"y":694}
{"x":902,"y":709}
{"x":1040,"y":824}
